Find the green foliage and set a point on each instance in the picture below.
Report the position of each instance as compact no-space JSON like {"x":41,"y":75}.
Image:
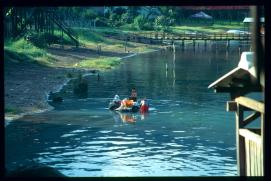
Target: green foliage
{"x":115,"y":19}
{"x":139,"y":22}
{"x":23,"y":48}
{"x":101,"y":63}
{"x":164,"y":21}
{"x":11,"y":110}
{"x":86,"y":36}
{"x":101,"y":22}
{"x":125,"y":18}
{"x":142,"y":23}
{"x":89,"y":14}
{"x":214,"y":28}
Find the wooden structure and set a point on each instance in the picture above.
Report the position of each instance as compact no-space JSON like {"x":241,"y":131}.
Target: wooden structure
{"x":39,"y":19}
{"x":160,"y":37}
{"x":250,"y":142}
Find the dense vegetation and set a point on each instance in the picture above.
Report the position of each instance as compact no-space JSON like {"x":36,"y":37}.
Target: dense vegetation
{"x":148,"y":17}
{"x":29,"y":32}
{"x":161,"y":18}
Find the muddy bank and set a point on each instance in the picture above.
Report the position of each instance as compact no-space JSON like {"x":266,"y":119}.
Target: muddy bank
{"x":26,"y":87}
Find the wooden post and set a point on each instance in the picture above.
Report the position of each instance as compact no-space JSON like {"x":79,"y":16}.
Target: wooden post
{"x":262,"y":162}
{"x":194,"y":43}
{"x":125,"y":46}
{"x":240,"y":142}
{"x":228,"y":44}
{"x":62,"y":39}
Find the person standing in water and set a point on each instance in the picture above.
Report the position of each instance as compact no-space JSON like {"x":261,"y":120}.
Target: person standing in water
{"x":144,"y":108}
{"x":133,"y":95}
{"x":125,"y":103}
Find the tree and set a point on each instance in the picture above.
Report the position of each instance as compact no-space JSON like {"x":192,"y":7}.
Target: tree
{"x":142,"y":23}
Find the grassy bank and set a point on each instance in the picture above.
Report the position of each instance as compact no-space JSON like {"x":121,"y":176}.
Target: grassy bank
{"x":214,"y":28}
{"x":102,"y":63}
{"x":102,"y":43}
{"x":104,"y":50}
{"x":22,"y":50}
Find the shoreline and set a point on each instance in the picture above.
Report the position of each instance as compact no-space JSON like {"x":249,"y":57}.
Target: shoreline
{"x":57,"y":88}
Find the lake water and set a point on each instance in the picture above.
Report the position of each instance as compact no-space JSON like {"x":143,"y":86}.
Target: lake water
{"x":187,"y":131}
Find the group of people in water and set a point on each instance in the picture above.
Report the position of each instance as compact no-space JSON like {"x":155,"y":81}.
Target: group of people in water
{"x":132,"y":101}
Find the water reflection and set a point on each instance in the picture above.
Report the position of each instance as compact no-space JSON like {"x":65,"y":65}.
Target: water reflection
{"x":126,"y":117}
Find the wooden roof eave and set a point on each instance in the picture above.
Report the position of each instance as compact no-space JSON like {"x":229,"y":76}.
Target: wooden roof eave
{"x":226,"y":79}
{"x":237,"y":80}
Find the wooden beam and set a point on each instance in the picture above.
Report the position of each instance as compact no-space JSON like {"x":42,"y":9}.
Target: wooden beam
{"x":250,"y":103}
{"x":237,"y":89}
{"x":247,"y":134}
{"x":262,"y":159}
{"x":248,"y":157}
{"x":254,"y":151}
{"x":240,"y":142}
{"x":231,"y":106}
{"x":251,"y":118}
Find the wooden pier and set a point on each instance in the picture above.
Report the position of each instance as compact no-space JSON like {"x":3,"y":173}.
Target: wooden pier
{"x":250,"y":147}
{"x":170,"y":38}
{"x":196,"y":36}
{"x":249,"y":141}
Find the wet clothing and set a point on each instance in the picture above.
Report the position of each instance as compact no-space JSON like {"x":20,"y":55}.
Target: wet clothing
{"x":144,"y":106}
{"x":128,"y":103}
{"x":133,"y":98}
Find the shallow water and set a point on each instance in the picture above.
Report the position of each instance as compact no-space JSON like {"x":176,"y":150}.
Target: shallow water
{"x":186,"y":133}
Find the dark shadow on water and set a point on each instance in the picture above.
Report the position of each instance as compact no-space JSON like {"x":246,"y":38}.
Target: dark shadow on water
{"x":35,"y":170}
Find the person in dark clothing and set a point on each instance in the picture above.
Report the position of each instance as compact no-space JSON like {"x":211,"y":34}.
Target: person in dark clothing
{"x":133,"y":95}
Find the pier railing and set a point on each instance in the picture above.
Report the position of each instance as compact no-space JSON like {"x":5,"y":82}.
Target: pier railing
{"x":250,"y":147}
{"x":153,"y":37}
{"x":196,"y":36}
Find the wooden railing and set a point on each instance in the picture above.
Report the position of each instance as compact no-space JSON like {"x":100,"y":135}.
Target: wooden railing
{"x":196,"y":36}
{"x":250,"y":147}
{"x":65,"y":29}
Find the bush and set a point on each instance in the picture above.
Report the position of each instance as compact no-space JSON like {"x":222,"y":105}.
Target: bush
{"x":43,"y":39}
{"x":142,"y":23}
{"x":114,"y":20}
{"x":102,"y":22}
{"x":163,"y":23}
{"x":126,"y":18}
{"x":139,"y":22}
